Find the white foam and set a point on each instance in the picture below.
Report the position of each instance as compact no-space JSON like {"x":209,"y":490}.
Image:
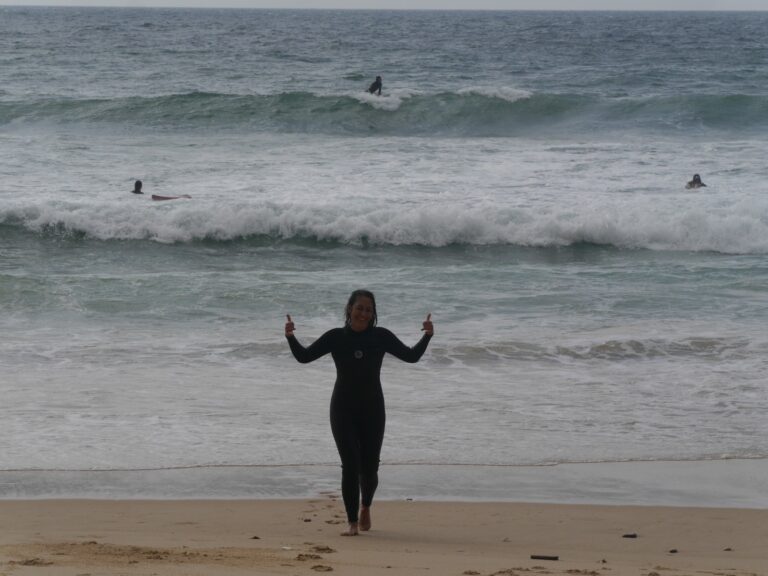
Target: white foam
{"x":737,"y":226}
{"x":390,"y":100}
{"x":508,"y":93}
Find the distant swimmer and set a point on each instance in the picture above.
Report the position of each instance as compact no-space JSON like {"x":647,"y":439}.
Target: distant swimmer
{"x":695,"y":183}
{"x":375,"y":87}
{"x":137,"y":187}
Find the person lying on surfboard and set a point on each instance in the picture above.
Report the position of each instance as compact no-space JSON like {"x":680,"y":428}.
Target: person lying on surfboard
{"x":137,"y":190}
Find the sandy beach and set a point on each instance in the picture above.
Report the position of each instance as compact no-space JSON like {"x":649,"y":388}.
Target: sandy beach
{"x":302,"y":536}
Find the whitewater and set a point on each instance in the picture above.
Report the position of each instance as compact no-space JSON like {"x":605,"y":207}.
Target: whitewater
{"x":522,"y":179}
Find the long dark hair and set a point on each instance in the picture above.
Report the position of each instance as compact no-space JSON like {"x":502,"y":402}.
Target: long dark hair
{"x":351,"y":302}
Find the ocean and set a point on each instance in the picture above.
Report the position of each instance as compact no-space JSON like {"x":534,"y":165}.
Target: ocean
{"x":521,"y":178}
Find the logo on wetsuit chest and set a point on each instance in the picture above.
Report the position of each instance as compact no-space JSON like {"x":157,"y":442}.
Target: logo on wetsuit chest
{"x":358,"y":354}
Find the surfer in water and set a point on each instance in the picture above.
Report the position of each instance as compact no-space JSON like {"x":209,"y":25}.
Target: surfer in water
{"x":357,"y":402}
{"x":695,"y":183}
{"x":375,"y":87}
{"x":137,"y":187}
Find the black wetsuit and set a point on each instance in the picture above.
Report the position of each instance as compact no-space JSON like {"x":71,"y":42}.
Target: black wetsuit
{"x":375,"y":87}
{"x":357,"y":403}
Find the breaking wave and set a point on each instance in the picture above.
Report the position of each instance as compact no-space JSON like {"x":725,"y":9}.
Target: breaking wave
{"x":478,"y":111}
{"x":740,"y":228}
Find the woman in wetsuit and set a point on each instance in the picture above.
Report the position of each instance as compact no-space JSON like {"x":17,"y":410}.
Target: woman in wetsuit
{"x":357,"y":403}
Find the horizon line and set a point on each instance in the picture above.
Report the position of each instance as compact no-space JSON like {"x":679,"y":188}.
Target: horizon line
{"x":329,"y":8}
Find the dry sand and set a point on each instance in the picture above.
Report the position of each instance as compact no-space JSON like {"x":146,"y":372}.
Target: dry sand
{"x":234,"y":537}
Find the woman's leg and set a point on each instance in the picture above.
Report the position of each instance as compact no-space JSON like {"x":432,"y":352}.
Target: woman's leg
{"x":371,"y":440}
{"x":345,"y":435}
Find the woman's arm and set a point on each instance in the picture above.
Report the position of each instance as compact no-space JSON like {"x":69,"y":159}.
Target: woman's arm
{"x":318,"y":348}
{"x":395,"y":346}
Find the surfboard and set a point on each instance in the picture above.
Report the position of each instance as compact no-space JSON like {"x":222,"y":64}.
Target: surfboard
{"x":157,"y":197}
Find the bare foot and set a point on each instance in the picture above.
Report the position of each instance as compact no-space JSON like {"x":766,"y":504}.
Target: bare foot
{"x":365,"y":519}
{"x":351,"y":531}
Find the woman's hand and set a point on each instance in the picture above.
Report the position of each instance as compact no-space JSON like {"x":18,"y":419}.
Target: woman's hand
{"x":289,"y":327}
{"x":426,"y":325}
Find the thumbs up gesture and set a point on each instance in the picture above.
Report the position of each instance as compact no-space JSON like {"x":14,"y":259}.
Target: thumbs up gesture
{"x":289,"y":327}
{"x":427,"y":325}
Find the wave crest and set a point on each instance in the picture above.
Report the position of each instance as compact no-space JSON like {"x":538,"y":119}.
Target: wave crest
{"x":479,"y":111}
{"x":740,"y":228}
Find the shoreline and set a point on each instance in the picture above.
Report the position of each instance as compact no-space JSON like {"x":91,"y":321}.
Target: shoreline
{"x":706,"y":483}
{"x":290,"y":537}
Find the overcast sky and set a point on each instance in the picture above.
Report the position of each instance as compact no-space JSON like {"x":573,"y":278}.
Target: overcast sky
{"x":424,"y":4}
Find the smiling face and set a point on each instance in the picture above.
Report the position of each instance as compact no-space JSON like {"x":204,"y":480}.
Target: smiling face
{"x":361,"y":313}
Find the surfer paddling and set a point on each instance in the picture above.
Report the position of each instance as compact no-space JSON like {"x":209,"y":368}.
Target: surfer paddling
{"x":357,"y":402}
{"x":137,"y":190}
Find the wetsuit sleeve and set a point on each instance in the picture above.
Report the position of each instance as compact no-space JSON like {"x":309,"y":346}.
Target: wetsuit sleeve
{"x":395,"y":346}
{"x":318,"y":348}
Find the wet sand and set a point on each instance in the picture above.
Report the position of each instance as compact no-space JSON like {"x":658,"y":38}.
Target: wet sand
{"x":302,"y":536}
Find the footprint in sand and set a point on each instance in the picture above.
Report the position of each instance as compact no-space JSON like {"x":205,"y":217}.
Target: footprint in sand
{"x":31,"y":562}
